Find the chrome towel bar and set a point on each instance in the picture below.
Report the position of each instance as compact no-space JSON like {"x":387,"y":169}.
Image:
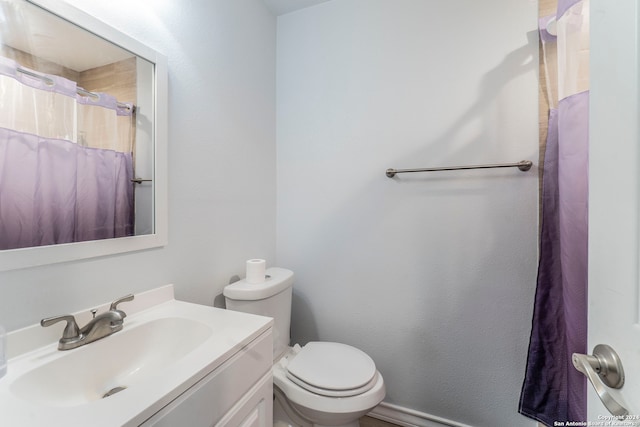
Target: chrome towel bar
{"x":523,"y":165}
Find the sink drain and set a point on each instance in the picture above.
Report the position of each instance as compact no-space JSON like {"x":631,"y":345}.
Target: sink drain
{"x":113,"y":391}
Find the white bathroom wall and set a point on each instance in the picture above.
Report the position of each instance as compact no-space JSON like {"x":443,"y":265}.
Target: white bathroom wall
{"x":431,"y":274}
{"x":222,"y":179}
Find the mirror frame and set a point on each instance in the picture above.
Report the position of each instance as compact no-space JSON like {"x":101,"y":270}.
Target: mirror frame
{"x":42,"y":255}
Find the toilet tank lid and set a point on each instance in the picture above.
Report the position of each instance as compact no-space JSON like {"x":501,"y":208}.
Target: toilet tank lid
{"x":278,"y":279}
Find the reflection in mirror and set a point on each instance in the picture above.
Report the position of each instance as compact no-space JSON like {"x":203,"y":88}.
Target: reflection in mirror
{"x":76,"y":133}
{"x":82,"y":137}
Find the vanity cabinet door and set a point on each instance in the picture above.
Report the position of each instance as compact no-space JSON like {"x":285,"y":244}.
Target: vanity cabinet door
{"x":255,"y":409}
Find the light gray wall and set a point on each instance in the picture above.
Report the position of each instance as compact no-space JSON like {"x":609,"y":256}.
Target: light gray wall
{"x":222,"y":179}
{"x":433,"y":275}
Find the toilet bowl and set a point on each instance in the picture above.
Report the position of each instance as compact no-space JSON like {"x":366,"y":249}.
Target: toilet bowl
{"x":319,"y":384}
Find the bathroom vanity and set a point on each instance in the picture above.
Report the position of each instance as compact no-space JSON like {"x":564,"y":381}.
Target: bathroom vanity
{"x":174,"y":363}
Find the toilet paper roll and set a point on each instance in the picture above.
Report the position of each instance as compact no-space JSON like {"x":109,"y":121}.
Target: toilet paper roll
{"x":256,"y":270}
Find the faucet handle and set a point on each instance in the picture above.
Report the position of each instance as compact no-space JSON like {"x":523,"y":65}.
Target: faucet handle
{"x":114,"y":305}
{"x":70,"y":331}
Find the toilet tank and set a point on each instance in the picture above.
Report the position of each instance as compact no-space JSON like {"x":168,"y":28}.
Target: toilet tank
{"x":271,"y":298}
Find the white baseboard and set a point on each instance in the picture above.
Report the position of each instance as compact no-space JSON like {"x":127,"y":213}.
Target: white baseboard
{"x":409,"y":418}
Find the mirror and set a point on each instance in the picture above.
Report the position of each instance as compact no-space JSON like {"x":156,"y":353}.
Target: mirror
{"x":83,"y":116}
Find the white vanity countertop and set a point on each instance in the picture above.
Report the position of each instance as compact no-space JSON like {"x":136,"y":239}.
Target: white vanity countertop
{"x":32,"y":347}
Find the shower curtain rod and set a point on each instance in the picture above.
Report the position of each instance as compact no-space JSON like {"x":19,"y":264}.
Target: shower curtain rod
{"x":523,"y":165}
{"x":79,"y":90}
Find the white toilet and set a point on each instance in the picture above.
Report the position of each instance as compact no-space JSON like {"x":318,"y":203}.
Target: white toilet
{"x":320,"y":384}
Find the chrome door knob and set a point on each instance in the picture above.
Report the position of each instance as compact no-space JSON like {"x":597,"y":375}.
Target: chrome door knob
{"x":603,"y":370}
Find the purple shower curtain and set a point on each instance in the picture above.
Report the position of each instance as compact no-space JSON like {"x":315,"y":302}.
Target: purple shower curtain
{"x":65,"y":171}
{"x":553,"y":390}
{"x":55,"y":191}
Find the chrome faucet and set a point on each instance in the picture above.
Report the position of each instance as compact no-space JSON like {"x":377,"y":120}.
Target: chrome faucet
{"x":100,"y":326}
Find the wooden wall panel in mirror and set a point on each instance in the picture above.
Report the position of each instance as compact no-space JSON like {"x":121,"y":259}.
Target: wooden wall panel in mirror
{"x":82,"y":137}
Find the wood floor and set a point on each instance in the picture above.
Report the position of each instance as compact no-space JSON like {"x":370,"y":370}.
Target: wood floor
{"x":373,"y":422}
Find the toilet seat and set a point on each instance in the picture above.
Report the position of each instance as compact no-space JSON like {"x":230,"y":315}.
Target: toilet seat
{"x":321,"y":399}
{"x":332,"y":369}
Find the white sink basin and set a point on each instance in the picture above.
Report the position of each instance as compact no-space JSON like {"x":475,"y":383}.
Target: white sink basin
{"x":165,"y":348}
{"x":120,"y":360}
